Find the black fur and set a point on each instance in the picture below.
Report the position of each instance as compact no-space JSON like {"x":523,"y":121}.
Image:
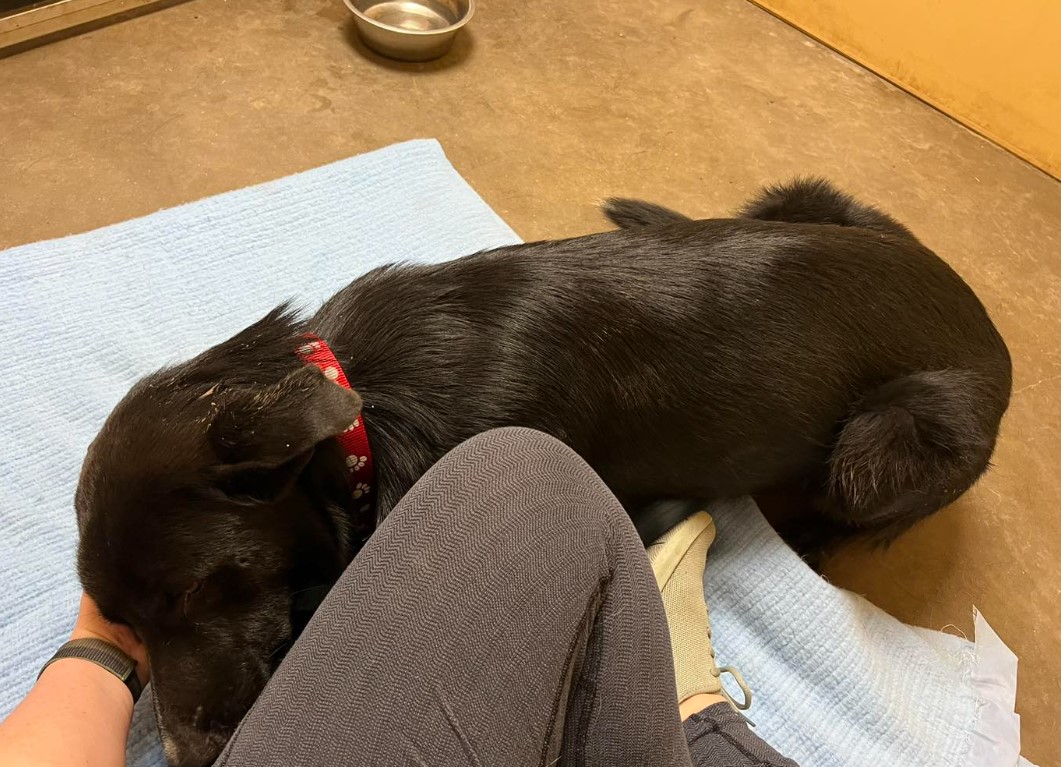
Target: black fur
{"x":813,"y":339}
{"x":629,"y":214}
{"x":816,"y":201}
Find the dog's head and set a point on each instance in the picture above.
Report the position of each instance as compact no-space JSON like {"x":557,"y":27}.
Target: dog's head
{"x":213,"y":495}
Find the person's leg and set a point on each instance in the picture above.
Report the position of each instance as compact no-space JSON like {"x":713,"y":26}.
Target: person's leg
{"x":503,"y":614}
{"x":718,"y":736}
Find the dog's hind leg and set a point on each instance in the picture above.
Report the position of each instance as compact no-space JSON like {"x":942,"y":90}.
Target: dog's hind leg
{"x":816,"y":201}
{"x":631,"y":214}
{"x":911,"y":447}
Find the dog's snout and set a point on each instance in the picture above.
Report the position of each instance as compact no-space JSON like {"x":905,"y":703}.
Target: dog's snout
{"x":199,"y":749}
{"x":194,"y":734}
{"x":189,"y":745}
{"x":191,"y":740}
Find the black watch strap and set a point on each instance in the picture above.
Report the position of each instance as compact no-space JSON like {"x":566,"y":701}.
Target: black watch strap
{"x":103,"y":654}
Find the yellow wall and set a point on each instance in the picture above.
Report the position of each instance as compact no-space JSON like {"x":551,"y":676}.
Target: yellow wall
{"x":995,"y":65}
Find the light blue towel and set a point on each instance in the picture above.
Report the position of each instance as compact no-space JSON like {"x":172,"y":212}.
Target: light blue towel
{"x":837,"y":681}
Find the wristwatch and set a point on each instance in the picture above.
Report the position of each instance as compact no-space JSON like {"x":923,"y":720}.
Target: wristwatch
{"x":103,"y":654}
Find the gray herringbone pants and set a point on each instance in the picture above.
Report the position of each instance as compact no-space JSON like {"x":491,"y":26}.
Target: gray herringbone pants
{"x":504,"y":615}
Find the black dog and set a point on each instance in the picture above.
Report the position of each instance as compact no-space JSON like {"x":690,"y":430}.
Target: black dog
{"x":812,"y":338}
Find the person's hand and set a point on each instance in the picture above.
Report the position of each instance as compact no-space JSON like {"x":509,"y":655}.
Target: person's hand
{"x":91,"y":625}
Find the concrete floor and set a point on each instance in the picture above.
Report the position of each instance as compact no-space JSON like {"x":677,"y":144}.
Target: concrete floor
{"x":546,"y":107}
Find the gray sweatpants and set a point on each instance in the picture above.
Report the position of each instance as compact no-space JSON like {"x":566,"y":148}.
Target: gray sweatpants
{"x":504,"y":615}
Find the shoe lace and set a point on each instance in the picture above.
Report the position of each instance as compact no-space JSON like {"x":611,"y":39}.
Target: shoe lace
{"x":718,"y":671}
{"x":746,"y":691}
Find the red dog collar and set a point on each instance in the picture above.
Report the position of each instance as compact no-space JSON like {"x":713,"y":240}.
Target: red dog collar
{"x":354,"y":440}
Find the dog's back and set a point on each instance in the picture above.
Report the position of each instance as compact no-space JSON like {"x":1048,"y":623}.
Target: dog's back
{"x":703,"y":359}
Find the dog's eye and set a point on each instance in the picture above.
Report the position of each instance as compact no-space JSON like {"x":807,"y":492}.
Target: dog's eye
{"x":189,"y":595}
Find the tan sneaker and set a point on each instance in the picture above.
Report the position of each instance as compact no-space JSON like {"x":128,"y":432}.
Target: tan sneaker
{"x":679,"y":559}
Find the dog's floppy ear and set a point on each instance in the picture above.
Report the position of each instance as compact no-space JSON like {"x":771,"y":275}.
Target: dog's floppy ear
{"x":265,"y":436}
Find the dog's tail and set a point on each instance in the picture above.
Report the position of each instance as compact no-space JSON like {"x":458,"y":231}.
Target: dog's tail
{"x":631,"y":214}
{"x":816,"y":201}
{"x":911,"y":447}
{"x":800,"y":201}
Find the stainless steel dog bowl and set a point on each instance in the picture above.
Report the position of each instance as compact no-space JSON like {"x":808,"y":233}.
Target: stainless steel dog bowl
{"x":410,"y":30}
